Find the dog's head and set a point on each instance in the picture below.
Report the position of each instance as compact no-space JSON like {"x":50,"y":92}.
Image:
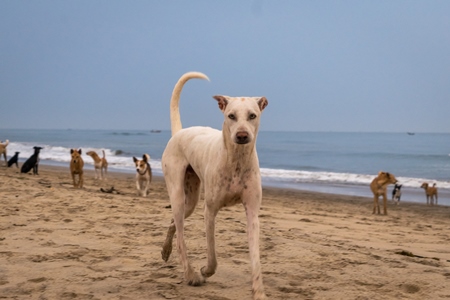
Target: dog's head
{"x":424,"y":185}
{"x":397,"y":186}
{"x":4,"y":144}
{"x":37,"y":149}
{"x":141,"y":164}
{"x":76,"y":156}
{"x":242,"y":115}
{"x":91,"y":153}
{"x":386,"y":178}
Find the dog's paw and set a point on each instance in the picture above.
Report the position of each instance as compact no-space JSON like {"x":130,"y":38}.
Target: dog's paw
{"x":207,"y":273}
{"x":165,"y":252}
{"x":195,"y":279}
{"x":259,"y":296}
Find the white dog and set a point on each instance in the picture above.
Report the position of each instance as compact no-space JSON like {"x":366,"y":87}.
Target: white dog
{"x":3,"y":150}
{"x":143,"y":174}
{"x":227,"y":164}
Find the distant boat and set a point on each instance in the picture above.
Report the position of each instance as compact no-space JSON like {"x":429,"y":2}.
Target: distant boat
{"x":410,"y":133}
{"x":155,"y":131}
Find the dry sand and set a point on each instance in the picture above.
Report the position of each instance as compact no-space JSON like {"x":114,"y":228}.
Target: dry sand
{"x":57,"y":242}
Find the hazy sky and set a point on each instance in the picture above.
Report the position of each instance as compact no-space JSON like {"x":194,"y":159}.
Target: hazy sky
{"x":323,"y":65}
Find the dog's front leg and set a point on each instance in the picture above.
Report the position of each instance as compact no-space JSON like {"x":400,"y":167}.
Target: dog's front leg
{"x":210,"y":215}
{"x":145,"y":193}
{"x":80,"y":184}
{"x":252,"y":211}
{"x":385,"y":203}
{"x":138,"y":187}
{"x":375,"y":205}
{"x":74,"y":181}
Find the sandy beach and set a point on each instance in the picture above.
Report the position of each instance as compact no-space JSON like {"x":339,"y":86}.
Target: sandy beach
{"x":57,"y":242}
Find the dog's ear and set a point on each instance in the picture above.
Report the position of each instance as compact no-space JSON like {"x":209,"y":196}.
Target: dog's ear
{"x":71,"y":151}
{"x":79,"y":151}
{"x":262,"y":103}
{"x":222,"y":101}
{"x":135,"y":159}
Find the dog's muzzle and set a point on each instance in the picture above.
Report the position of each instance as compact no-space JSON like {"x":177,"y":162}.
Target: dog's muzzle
{"x":242,"y":137}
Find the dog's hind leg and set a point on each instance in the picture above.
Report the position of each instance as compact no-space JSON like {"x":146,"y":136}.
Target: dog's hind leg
{"x":192,"y":194}
{"x":183,"y":201}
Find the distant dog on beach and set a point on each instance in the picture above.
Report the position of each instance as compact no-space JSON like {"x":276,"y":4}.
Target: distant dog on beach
{"x":379,"y":186}
{"x":76,"y":168}
{"x":397,"y":193}
{"x":431,"y":193}
{"x":143,"y":174}
{"x":32,"y":162}
{"x":226,"y":164}
{"x":14,"y":160}
{"x":99,"y":164}
{"x":3,"y":149}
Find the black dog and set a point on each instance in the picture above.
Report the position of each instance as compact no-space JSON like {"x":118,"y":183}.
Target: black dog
{"x":396,"y":193}
{"x":14,"y":160}
{"x":32,"y":162}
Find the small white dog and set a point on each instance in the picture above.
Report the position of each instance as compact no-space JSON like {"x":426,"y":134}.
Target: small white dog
{"x":143,"y":174}
{"x":226,"y":164}
{"x":99,"y":164}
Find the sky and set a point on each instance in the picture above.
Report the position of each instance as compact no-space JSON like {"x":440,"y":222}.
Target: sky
{"x":366,"y":66}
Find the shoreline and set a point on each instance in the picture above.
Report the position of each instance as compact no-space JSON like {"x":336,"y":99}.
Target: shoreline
{"x":409,"y":194}
{"x":59,"y":242}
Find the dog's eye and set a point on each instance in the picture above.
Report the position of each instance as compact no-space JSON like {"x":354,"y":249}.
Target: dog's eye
{"x":252,"y":116}
{"x":232,"y":117}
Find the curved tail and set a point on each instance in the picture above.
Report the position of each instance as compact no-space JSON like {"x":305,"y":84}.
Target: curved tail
{"x":103,"y":153}
{"x":175,"y":120}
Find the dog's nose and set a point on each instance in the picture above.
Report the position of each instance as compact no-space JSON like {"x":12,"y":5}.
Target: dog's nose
{"x":242,"y":137}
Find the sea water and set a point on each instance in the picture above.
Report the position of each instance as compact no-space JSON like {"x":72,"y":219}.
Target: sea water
{"x":331,"y":162}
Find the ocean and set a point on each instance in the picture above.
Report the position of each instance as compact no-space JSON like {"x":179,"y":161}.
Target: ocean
{"x":330,"y":162}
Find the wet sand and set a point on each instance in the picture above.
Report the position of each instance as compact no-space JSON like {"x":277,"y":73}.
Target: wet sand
{"x":57,"y":242}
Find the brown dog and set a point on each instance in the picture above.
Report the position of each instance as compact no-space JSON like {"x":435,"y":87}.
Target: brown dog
{"x":431,"y":193}
{"x":379,"y":186}
{"x":99,"y":164}
{"x":76,"y":167}
{"x":3,"y":150}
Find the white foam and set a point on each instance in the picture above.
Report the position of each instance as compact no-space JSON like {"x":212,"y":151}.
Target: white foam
{"x":343,"y":178}
{"x":62,"y":155}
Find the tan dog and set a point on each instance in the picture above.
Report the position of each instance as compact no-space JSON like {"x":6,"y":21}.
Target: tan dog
{"x":431,"y":193}
{"x":379,"y":186}
{"x":99,"y":164}
{"x":76,"y":167}
{"x":143,"y":174}
{"x":226,"y":164}
{"x":3,"y":150}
